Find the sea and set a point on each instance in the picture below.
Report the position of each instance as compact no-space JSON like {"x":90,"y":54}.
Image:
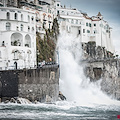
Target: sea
{"x":58,"y":111}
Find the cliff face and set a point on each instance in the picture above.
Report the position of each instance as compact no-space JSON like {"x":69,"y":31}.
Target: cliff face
{"x":46,"y":47}
{"x":101,"y":64}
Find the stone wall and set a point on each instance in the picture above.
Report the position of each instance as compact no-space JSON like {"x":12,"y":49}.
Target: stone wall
{"x":102,"y":64}
{"x":34,"y":84}
{"x":106,"y":70}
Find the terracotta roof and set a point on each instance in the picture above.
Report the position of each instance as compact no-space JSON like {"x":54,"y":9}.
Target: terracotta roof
{"x":87,"y":17}
{"x":96,"y":20}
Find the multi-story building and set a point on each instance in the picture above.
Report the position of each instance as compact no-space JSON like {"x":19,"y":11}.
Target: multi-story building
{"x":44,"y":14}
{"x":21,"y":19}
{"x":87,"y":28}
{"x":17,"y":38}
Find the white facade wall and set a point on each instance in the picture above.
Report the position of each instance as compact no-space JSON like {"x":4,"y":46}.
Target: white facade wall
{"x":17,"y":41}
{"x":44,"y":18}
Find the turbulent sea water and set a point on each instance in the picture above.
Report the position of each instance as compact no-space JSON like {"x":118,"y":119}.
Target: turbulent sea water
{"x":58,"y":111}
{"x":85,"y":100}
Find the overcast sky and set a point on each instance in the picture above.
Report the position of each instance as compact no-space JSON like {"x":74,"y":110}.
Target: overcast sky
{"x":110,"y":9}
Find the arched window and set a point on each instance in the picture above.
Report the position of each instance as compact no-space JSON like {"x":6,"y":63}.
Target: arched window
{"x":32,"y":18}
{"x":16,"y":39}
{"x":16,"y":16}
{"x":28,"y":18}
{"x":21,"y":27}
{"x":21,"y":17}
{"x":8,"y":15}
{"x":8,"y":26}
{"x":27,"y":41}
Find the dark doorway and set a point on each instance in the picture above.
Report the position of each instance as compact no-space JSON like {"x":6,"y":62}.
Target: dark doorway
{"x":97,"y":73}
{"x":15,"y":65}
{"x":79,"y":32}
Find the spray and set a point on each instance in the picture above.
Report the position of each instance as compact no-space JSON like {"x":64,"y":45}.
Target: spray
{"x":73,"y":82}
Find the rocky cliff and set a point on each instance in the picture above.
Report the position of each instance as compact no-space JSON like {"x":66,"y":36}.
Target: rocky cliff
{"x":102,"y":64}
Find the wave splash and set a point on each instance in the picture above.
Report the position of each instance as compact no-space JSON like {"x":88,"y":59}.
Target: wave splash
{"x":73,"y":83}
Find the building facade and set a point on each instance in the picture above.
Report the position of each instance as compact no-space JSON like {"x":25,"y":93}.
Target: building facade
{"x":21,"y":19}
{"x":17,"y":38}
{"x":94,"y":28}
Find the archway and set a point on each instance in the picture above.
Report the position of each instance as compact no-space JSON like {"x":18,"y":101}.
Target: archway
{"x":16,"y":39}
{"x":27,"y":41}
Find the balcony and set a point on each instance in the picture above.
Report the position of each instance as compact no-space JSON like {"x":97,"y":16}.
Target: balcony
{"x":91,"y":35}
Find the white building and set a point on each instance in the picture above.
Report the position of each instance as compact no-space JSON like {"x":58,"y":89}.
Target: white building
{"x":18,"y":29}
{"x":17,"y":38}
{"x":85,"y":27}
{"x":44,"y":15}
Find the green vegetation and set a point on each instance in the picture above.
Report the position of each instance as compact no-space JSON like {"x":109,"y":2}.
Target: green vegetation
{"x":46,"y":47}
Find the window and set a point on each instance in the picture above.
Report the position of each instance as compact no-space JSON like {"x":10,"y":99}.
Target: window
{"x":86,"y":24}
{"x":17,"y":28}
{"x":44,"y":23}
{"x":8,"y":1}
{"x":32,"y":18}
{"x":94,"y":25}
{"x":58,"y":12}
{"x":21,"y":17}
{"x":32,"y":28}
{"x":83,"y":30}
{"x":89,"y":24}
{"x":107,"y":31}
{"x":88,"y":31}
{"x":58,"y":5}
{"x":79,"y":32}
{"x":3,"y":43}
{"x":76,"y":21}
{"x":28,"y":18}
{"x":8,"y":15}
{"x":28,"y":28}
{"x":21,"y":27}
{"x":8,"y":26}
{"x":95,"y":31}
{"x":49,"y":26}
{"x":16,"y":16}
{"x":72,"y":21}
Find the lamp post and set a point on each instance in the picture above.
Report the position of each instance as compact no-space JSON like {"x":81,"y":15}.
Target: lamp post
{"x":58,"y":61}
{"x":38,"y":57}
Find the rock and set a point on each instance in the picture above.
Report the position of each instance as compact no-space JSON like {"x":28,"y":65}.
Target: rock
{"x":23,"y":101}
{"x":12,"y":100}
{"x":36,"y":102}
{"x":61,"y":96}
{"x":7,"y":101}
{"x":48,"y":99}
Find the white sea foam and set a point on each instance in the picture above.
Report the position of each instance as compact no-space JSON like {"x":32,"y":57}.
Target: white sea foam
{"x":73,"y":83}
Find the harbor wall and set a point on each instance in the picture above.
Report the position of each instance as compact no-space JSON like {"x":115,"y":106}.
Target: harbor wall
{"x":40,"y":84}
